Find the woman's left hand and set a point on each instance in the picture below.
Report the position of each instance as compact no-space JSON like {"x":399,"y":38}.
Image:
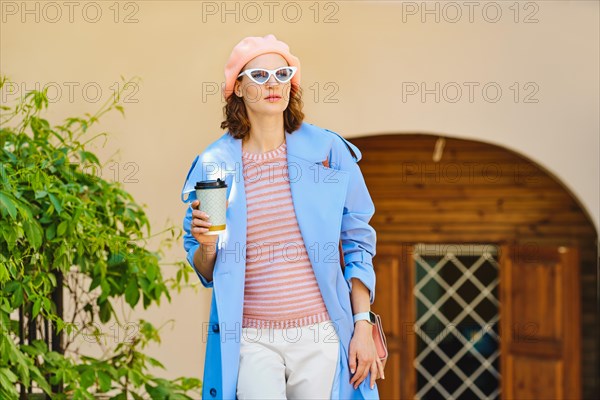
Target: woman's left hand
{"x":362,"y":348}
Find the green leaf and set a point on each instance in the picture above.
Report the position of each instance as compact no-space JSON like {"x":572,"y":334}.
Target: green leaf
{"x":51,"y":232}
{"x":33,"y":231}
{"x":115,"y":259}
{"x":136,"y":377}
{"x":87,"y":156}
{"x":151,"y":272}
{"x":55,"y":202}
{"x":7,"y":204}
{"x":105,"y":381}
{"x":95,"y":282}
{"x":157,"y":392}
{"x":40,"y":380}
{"x":17,"y":298}
{"x":8,"y":374}
{"x":138,"y":397}
{"x":62,"y":228}
{"x":7,"y":380}
{"x":25,"y":210}
{"x":11,"y":236}
{"x":46,"y":304}
{"x":12,"y":286}
{"x":105,"y":311}
{"x":88,"y":378}
{"x":4,"y":275}
{"x":36,"y":307}
{"x":3,"y":174}
{"x":132,"y":293}
{"x":154,"y":362}
{"x":52,"y":279}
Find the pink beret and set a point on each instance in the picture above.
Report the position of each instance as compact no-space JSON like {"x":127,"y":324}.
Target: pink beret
{"x":253,"y":46}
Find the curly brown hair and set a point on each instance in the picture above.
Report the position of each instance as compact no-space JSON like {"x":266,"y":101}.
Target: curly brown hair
{"x":238,"y":124}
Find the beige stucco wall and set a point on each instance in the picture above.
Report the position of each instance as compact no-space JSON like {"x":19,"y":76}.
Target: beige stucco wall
{"x":365,"y":56}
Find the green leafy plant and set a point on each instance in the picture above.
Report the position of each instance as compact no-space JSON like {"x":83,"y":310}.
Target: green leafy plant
{"x":63,"y":224}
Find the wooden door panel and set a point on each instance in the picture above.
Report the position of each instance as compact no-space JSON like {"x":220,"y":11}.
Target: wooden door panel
{"x":394,"y":302}
{"x":537,"y":300}
{"x":387,"y":305}
{"x":540,"y":327}
{"x":386,"y":294}
{"x":535,"y":378}
{"x":389,"y":388}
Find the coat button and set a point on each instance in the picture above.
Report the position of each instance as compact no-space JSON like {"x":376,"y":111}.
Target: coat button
{"x":215,"y":328}
{"x":213,"y":392}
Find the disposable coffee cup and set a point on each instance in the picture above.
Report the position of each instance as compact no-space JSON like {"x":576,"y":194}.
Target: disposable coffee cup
{"x":213,"y":201}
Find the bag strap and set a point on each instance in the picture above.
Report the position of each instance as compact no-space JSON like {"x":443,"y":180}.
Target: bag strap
{"x":342,"y":263}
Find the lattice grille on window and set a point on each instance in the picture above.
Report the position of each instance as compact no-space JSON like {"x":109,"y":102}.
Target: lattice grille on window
{"x":457,"y":323}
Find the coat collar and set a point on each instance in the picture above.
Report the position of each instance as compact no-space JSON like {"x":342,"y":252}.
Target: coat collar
{"x":308,"y":143}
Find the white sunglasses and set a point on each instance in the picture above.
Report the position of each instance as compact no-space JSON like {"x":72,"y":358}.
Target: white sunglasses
{"x":261,"y":75}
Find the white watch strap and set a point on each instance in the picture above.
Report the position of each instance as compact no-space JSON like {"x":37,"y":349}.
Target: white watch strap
{"x":362,"y":316}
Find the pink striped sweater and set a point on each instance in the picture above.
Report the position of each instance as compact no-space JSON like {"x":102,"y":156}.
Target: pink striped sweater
{"x":281,"y":290}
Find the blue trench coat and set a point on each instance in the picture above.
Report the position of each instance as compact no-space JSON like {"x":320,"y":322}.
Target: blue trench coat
{"x":330,"y":203}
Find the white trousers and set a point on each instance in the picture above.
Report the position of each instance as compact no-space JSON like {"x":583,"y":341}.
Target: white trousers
{"x":291,"y":363}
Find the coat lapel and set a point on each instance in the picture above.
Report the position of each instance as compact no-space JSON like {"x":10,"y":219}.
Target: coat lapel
{"x":318,"y":194}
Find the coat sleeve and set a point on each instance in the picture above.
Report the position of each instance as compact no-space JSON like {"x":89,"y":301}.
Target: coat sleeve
{"x":190,"y":244}
{"x":358,"y":237}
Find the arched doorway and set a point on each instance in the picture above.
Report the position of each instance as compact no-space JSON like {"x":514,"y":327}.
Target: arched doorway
{"x":486,"y":272}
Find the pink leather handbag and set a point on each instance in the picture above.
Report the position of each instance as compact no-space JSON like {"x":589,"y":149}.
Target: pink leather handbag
{"x":378,"y":333}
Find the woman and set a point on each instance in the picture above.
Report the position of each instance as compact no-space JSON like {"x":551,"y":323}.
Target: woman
{"x":285,"y":322}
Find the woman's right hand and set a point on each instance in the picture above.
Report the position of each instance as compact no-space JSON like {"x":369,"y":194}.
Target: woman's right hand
{"x":199,"y":225}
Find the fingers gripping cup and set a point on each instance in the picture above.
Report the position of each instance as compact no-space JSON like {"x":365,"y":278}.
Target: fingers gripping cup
{"x":213,"y":201}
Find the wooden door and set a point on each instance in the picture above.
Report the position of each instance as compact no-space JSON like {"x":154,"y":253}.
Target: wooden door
{"x":539,"y":321}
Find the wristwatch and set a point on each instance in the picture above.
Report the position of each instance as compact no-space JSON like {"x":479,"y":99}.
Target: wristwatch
{"x":368,"y":316}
